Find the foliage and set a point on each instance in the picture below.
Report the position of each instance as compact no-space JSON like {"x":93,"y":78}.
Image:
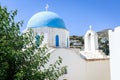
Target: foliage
{"x":104,"y":45}
{"x":75,"y":41}
{"x":81,"y":40}
{"x":78,"y":38}
{"x":20,"y":57}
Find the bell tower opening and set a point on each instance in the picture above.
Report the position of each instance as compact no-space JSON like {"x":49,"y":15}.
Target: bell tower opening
{"x":89,"y":41}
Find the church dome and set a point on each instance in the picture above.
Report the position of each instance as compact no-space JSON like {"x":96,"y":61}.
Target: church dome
{"x":46,"y":19}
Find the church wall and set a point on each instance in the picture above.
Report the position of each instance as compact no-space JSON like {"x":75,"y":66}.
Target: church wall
{"x":79,"y":68}
{"x":114,"y":45}
{"x":75,"y":65}
{"x":40,"y":31}
{"x":63,"y":34}
{"x":51,"y":34}
{"x":98,"y":70}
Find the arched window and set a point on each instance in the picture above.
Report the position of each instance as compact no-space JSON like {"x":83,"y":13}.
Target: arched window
{"x":57,"y":41}
{"x":37,"y":40}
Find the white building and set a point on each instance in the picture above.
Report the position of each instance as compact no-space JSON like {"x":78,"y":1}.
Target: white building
{"x":114,"y":42}
{"x":52,"y":26}
{"x":80,"y":66}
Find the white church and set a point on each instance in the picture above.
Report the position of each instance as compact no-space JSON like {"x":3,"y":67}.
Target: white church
{"x":53,"y":27}
{"x":89,"y":64}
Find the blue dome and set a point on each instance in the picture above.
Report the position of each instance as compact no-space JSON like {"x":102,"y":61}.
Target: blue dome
{"x":46,"y":19}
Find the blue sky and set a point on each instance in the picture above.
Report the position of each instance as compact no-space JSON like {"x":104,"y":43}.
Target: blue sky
{"x":77,"y":14}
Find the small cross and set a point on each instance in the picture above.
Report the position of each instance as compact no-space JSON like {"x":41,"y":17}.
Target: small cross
{"x":90,"y":27}
{"x":46,"y":7}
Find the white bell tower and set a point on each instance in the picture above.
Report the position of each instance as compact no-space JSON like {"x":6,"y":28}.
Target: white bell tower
{"x":91,"y":41}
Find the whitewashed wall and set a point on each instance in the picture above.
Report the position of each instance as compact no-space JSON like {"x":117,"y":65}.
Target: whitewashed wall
{"x":91,"y":41}
{"x":51,"y":33}
{"x":75,"y":65}
{"x":80,"y":69}
{"x":114,"y":41}
{"x":98,"y":70}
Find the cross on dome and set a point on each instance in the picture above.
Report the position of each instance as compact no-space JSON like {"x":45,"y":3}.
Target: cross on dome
{"x":46,"y":7}
{"x":90,"y":27}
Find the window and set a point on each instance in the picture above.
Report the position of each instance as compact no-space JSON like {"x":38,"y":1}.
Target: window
{"x":37,"y":40}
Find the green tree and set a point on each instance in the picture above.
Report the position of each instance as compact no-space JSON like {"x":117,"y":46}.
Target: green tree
{"x":104,"y":45}
{"x":81,"y":40}
{"x":20,"y":57}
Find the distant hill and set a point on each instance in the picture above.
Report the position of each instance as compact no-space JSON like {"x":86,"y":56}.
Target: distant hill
{"x":103,"y":33}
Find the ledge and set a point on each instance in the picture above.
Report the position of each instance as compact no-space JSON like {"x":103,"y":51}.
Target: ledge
{"x":93,"y":57}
